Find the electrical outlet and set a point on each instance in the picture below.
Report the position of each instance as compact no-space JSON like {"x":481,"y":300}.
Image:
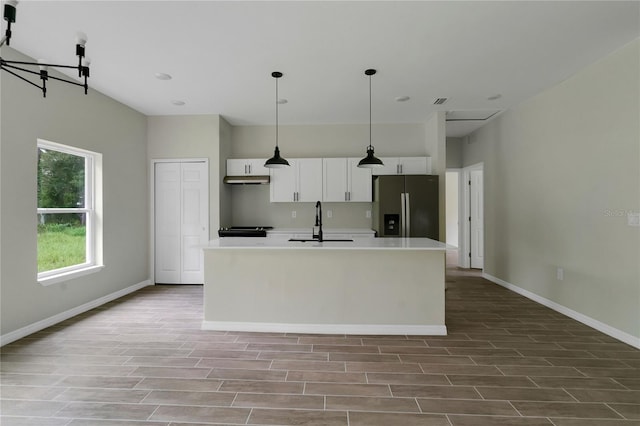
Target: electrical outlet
{"x":367,"y":214}
{"x":293,"y":214}
{"x":560,"y":274}
{"x":329,"y":214}
{"x":633,"y":219}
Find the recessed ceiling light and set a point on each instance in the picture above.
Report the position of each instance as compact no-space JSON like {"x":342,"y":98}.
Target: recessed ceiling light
{"x":402,"y":98}
{"x":494,"y":97}
{"x":177,"y":102}
{"x":282,"y":101}
{"x":162,"y":76}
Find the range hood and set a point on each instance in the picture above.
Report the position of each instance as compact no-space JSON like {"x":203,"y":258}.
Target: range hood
{"x":246,"y":180}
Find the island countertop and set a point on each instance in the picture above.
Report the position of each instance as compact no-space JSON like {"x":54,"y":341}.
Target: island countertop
{"x":356,"y":244}
{"x":365,"y":286}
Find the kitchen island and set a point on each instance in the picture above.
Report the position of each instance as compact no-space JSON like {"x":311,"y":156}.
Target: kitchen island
{"x":365,"y":286}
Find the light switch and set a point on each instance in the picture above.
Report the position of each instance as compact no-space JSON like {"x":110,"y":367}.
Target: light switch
{"x":329,"y":214}
{"x":293,"y":214}
{"x":633,"y":219}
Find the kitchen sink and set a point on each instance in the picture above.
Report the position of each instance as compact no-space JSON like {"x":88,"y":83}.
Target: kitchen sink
{"x":324,"y":240}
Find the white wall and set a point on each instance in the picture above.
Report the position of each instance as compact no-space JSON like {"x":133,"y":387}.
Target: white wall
{"x":191,"y":136}
{"x":226,"y":213}
{"x":454,"y":153}
{"x":94,"y":122}
{"x":250,"y":203}
{"x":435,"y":133}
{"x":338,"y":140}
{"x":561,"y":172}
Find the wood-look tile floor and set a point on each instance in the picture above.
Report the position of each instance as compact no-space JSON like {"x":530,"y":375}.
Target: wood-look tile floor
{"x":143,"y":361}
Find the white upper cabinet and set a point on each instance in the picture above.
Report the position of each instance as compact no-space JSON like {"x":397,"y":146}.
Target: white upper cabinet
{"x":360,"y":182}
{"x":309,"y":179}
{"x":247,"y":167}
{"x":334,"y":175}
{"x":283,"y":183}
{"x":343,"y":180}
{"x":404,"y":166}
{"x":300,"y":182}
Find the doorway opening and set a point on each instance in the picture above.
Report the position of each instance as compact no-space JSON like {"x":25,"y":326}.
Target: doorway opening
{"x":452,"y":200}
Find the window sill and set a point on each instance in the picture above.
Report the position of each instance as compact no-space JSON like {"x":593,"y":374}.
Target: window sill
{"x":66,"y":276}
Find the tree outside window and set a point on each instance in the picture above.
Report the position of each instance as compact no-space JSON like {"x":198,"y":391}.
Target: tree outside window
{"x":65,"y":209}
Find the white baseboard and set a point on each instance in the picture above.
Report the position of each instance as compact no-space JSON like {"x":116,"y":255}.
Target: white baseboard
{"x":48,"y":322}
{"x":593,"y":323}
{"x":387,"y":329}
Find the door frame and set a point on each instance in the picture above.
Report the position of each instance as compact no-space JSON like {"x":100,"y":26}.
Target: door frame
{"x":152,"y":205}
{"x":464,"y":250}
{"x":457,"y":171}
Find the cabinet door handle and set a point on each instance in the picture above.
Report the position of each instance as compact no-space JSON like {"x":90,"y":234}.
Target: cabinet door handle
{"x":348,"y":196}
{"x":249,"y":168}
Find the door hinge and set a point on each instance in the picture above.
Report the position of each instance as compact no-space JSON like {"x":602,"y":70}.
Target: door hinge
{"x":469,"y":255}
{"x":469,"y":218}
{"x":469,"y":183}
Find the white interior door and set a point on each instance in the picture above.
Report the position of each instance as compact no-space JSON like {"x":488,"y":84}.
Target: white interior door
{"x":167,"y":223}
{"x":195,"y":221}
{"x":477,"y":219}
{"x":181,"y":211}
{"x":452,"y":186}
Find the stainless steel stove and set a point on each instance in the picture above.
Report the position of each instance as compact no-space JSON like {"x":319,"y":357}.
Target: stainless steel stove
{"x":244,"y":231}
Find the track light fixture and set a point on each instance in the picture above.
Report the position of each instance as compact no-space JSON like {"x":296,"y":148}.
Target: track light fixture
{"x":13,"y":67}
{"x":276,"y":162}
{"x":370,"y":161}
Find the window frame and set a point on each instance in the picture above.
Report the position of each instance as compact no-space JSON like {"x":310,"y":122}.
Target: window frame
{"x":93,"y":261}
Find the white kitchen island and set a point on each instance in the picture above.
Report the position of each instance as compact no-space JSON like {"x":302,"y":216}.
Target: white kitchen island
{"x":368,"y":286}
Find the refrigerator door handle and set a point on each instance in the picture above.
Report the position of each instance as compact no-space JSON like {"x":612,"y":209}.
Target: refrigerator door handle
{"x":403,"y":215}
{"x":407,"y":214}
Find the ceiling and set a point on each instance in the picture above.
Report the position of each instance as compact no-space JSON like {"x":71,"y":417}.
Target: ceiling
{"x":221,"y":54}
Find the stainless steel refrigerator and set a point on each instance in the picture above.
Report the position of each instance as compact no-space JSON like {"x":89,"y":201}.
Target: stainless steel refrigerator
{"x":406,"y":206}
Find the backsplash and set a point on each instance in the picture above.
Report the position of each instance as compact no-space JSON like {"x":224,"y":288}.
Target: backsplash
{"x":250,"y":206}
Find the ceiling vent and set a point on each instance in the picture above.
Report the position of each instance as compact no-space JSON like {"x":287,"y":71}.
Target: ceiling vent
{"x":440,"y":101}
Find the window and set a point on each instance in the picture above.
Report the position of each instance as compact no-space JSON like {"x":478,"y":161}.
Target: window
{"x":67,"y":217}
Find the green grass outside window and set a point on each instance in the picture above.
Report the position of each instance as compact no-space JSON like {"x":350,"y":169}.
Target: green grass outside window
{"x":60,"y":245}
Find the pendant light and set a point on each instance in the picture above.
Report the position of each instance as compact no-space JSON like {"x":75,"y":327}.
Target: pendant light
{"x":370,"y":161}
{"x":276,"y":162}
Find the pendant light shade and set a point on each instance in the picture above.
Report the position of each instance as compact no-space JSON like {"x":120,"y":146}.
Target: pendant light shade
{"x":276,"y":161}
{"x":370,"y":161}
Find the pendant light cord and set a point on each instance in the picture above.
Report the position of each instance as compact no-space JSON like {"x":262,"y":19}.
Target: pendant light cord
{"x":276,"y":112}
{"x":370,"y":112}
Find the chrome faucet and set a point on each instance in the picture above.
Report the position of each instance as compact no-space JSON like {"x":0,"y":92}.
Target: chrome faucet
{"x":318,"y":222}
